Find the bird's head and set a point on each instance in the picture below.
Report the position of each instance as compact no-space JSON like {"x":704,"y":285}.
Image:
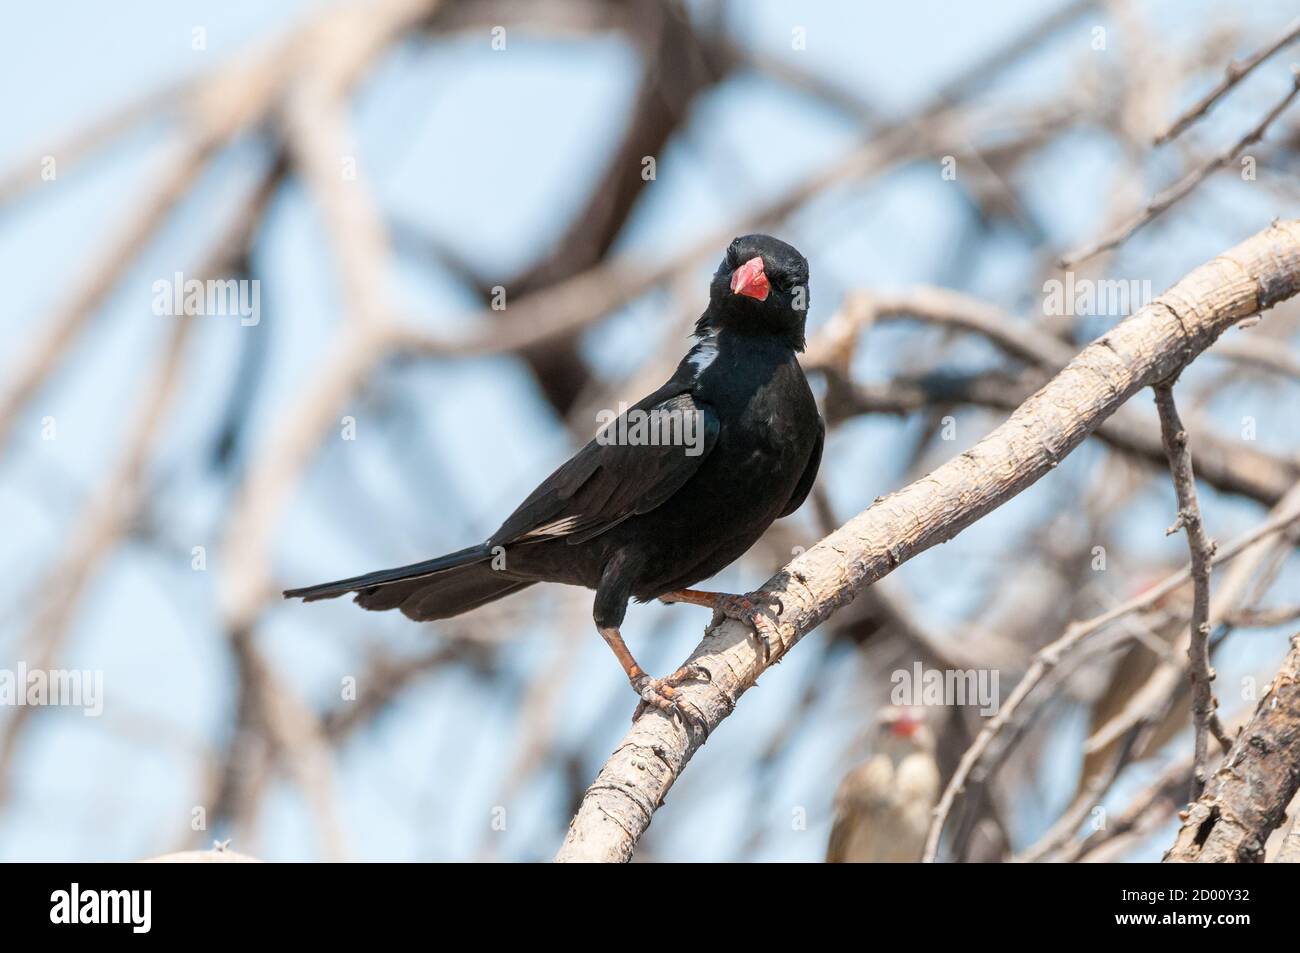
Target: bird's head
{"x":901,"y":730}
{"x":760,"y":288}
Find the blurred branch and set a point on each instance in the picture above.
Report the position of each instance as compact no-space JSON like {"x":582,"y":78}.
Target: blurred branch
{"x":108,"y":518}
{"x":298,"y":737}
{"x":1164,"y":200}
{"x":1234,"y":74}
{"x":1152,"y":806}
{"x":1224,"y":464}
{"x":234,"y":98}
{"x":21,"y":176}
{"x":1047,"y":658}
{"x":1247,"y":798}
{"x":1094,"y":790}
{"x":1152,"y":698}
{"x":179,"y":170}
{"x":1266,"y":354}
{"x":678,"y":66}
{"x":104,"y":521}
{"x":1263,"y":618}
{"x":385,"y":678}
{"x":1153,"y":344}
{"x":320,"y":143}
{"x":239,"y":94}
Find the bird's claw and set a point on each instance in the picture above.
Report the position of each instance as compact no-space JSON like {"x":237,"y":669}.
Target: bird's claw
{"x":661,"y":693}
{"x":747,"y":609}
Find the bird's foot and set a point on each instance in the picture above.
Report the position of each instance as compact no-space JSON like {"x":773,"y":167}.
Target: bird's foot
{"x":749,"y":609}
{"x":662,"y":693}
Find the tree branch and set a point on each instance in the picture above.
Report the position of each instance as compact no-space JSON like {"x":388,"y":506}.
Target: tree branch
{"x":1166,"y":199}
{"x":1202,"y":551}
{"x":1224,"y":464}
{"x":1150,"y":699}
{"x":1151,"y":346}
{"x":1232,"y":75}
{"x":1247,"y":798}
{"x":1078,"y":634}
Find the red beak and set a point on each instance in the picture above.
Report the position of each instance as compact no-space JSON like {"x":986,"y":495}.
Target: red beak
{"x":749,"y":280}
{"x":905,"y":727}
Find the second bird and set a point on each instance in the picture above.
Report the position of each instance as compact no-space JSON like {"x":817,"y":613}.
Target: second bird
{"x":634,"y":516}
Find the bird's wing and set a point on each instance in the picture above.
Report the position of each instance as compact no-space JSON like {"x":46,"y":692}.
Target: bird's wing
{"x":607,"y":482}
{"x":837,"y":848}
{"x":805,"y":484}
{"x":862,"y":796}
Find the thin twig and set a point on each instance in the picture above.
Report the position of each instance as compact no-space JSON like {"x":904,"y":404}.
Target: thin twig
{"x":1235,"y":72}
{"x":1167,"y":791}
{"x":109,"y":517}
{"x":1164,"y":200}
{"x":100,"y":526}
{"x":1231,"y":595}
{"x":1095,"y":790}
{"x":1263,"y":618}
{"x":1202,"y":549}
{"x":1225,"y":464}
{"x":1051,"y":655}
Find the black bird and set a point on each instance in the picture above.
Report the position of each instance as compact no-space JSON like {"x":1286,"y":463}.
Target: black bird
{"x":673,"y":491}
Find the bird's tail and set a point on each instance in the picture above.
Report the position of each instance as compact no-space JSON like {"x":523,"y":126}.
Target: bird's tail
{"x":434,"y":589}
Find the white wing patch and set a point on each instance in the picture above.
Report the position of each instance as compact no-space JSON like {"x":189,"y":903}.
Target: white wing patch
{"x":557,"y":528}
{"x":703,"y":354}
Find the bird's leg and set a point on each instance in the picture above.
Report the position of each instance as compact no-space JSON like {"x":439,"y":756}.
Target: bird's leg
{"x":741,"y":608}
{"x":659,"y":693}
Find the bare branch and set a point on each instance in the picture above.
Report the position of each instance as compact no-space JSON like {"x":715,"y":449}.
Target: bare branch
{"x":1264,"y":618}
{"x":1224,"y":464}
{"x":179,"y":169}
{"x":1153,"y":696}
{"x":1164,"y":200}
{"x":237,"y":96}
{"x":102,"y":524}
{"x":1153,"y":804}
{"x":1046,"y":659}
{"x":1234,"y":74}
{"x":1247,"y":797}
{"x":1189,"y":519}
{"x":108,"y":518}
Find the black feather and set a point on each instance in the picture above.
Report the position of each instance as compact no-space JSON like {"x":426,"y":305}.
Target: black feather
{"x":332,"y":590}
